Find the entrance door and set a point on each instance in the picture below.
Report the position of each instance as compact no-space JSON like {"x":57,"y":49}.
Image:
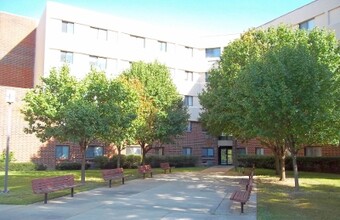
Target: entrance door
{"x":225,"y":155}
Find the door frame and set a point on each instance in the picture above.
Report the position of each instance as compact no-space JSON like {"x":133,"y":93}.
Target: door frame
{"x":226,"y":154}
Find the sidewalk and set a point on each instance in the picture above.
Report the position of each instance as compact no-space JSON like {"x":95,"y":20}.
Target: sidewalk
{"x":196,"y":196}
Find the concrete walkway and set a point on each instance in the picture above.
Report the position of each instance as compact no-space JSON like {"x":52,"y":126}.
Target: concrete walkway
{"x":196,"y":196}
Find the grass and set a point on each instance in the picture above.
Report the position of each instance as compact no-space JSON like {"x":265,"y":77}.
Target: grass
{"x":318,"y":197}
{"x":20,"y":188}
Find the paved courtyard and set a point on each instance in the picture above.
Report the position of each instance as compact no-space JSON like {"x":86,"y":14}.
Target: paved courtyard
{"x":196,"y":196}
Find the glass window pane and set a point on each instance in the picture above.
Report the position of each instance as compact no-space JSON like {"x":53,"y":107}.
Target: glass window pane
{"x":62,"y":152}
{"x":212,"y":52}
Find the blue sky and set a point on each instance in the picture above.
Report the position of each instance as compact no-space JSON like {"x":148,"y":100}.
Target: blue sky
{"x":204,"y":17}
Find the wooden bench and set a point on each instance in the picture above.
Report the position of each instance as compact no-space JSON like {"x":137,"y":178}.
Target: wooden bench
{"x":246,"y":182}
{"x":112,"y":174}
{"x":165,"y":167}
{"x":52,"y":184}
{"x":145,"y":169}
{"x":242,"y":196}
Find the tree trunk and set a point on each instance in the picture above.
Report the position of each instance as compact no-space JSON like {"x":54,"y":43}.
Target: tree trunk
{"x":295,"y":168}
{"x":277,"y":163}
{"x":83,"y":146}
{"x":234,"y":153}
{"x":119,"y":156}
{"x":283,"y":167}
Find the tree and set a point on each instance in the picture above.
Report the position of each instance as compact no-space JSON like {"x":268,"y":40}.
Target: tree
{"x":162,"y":115}
{"x":69,"y":110}
{"x":120,"y":112}
{"x":222,"y":112}
{"x":290,"y":96}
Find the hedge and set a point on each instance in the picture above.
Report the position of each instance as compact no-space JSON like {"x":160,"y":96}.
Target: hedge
{"x":128,"y":162}
{"x":26,"y":166}
{"x":70,"y":166}
{"x":176,"y":161}
{"x":132,"y":161}
{"x":313,"y":164}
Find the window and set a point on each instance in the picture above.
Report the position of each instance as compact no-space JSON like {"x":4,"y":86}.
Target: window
{"x":307,"y":25}
{"x":187,"y":151}
{"x":190,"y":51}
{"x":213,"y":52}
{"x":208,"y":152}
{"x":313,"y":152}
{"x":188,"y":100}
{"x":259,"y":151}
{"x":67,"y":27}
{"x":162,"y":46}
{"x":159,"y":151}
{"x":241,"y":151}
{"x":138,"y":42}
{"x":206,"y":76}
{"x":66,"y":57}
{"x":189,"y":126}
{"x":98,"y":62}
{"x":62,"y":152}
{"x":133,"y":150}
{"x":189,"y":75}
{"x":100,"y":34}
{"x":94,"y":151}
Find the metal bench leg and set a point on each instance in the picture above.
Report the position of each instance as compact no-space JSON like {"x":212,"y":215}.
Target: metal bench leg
{"x":151,"y":174}
{"x":72,"y":192}
{"x":123,"y":180}
{"x":45,"y":198}
{"x":242,"y":207}
{"x":110,"y":183}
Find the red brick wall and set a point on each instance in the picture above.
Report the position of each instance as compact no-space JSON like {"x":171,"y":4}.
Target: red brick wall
{"x":17,"y":51}
{"x":195,"y":139}
{"x":22,"y":145}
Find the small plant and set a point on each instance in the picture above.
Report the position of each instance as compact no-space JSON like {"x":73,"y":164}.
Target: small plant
{"x":40,"y":167}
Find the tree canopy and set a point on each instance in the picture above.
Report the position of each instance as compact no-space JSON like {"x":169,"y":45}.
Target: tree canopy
{"x":162,"y":114}
{"x":81,"y":111}
{"x":272,"y":84}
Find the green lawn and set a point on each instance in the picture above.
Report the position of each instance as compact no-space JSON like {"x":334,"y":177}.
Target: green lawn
{"x":20,"y":187}
{"x":318,"y":198}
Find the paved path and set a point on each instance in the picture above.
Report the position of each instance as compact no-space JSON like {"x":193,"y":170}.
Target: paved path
{"x":187,"y":196}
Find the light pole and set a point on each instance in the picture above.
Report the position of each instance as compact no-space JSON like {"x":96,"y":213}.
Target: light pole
{"x":10,"y":97}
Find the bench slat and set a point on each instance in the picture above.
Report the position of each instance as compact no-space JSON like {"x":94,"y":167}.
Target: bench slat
{"x":51,"y":184}
{"x":112,"y":174}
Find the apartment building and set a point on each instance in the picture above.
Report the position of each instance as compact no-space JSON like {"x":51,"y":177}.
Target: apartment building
{"x":83,"y":38}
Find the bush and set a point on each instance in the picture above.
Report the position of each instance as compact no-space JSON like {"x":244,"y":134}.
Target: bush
{"x":313,"y":164}
{"x":100,"y":162}
{"x":132,"y":161}
{"x":40,"y":167}
{"x":70,"y":166}
{"x":26,"y":166}
{"x":176,"y":161}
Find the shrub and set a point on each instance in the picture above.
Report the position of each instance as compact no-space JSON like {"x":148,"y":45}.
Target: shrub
{"x":101,"y":162}
{"x":40,"y":167}
{"x":26,"y":166}
{"x":313,"y":164}
{"x":176,"y":161}
{"x":70,"y":166}
{"x":132,"y":161}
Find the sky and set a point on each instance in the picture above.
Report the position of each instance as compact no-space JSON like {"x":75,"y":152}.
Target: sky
{"x":201,"y":17}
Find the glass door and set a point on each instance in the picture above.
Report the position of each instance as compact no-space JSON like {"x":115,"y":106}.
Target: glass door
{"x":223,"y":156}
{"x":229,"y":156}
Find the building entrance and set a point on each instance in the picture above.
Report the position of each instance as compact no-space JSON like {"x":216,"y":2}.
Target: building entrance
{"x":225,"y":155}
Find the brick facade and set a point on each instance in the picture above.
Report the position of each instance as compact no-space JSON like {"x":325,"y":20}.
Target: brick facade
{"x":17,"y":46}
{"x":17,"y":51}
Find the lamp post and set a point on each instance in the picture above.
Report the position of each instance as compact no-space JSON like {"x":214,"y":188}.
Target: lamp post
{"x":10,"y":97}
